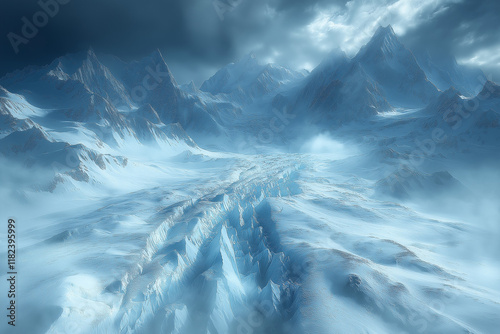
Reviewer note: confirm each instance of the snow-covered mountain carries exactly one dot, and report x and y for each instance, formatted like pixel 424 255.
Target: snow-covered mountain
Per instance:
pixel 70 83
pixel 76 107
pixel 468 122
pixel 247 80
pixel 346 95
pixel 66 78
pixel 382 76
pixel 388 62
pixel 149 80
pixel 33 148
pixel 13 109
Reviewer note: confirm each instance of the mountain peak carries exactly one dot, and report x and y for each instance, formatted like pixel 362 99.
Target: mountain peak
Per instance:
pixel 31 135
pixel 191 87
pixel 451 92
pixel 91 53
pixel 3 92
pixel 157 56
pixel 384 37
pixel 335 60
pixel 385 31
pixel 156 63
pixel 394 67
pixel 72 62
pixel 336 55
pixel 249 59
pixel 384 40
pixel 250 56
pixel 490 89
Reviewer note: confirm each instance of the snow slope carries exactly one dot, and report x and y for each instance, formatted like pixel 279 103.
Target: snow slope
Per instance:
pixel 270 244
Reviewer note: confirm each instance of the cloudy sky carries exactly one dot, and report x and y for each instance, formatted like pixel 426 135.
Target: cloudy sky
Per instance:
pixel 199 36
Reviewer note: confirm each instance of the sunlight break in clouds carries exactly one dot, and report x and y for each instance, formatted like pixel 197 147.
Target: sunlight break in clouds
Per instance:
pixel 483 57
pixel 352 26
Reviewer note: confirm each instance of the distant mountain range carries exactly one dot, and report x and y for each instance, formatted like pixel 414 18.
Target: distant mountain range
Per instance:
pixel 92 105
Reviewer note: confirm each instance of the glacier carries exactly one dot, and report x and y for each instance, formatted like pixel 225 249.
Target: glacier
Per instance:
pixel 361 197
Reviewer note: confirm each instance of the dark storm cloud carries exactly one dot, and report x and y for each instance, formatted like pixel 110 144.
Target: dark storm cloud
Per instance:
pixel 196 40
pixel 126 28
pixel 468 30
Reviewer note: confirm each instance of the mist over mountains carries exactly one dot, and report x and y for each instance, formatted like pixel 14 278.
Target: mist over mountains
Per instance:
pixel 117 101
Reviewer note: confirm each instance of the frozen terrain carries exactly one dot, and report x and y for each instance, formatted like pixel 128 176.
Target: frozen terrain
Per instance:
pixel 359 198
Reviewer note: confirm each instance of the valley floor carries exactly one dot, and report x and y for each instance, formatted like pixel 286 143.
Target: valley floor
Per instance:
pixel 250 244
